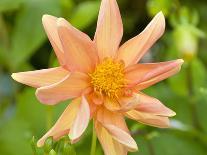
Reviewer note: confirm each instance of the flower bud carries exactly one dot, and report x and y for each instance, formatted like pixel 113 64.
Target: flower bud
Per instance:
pixel 52 152
pixel 48 145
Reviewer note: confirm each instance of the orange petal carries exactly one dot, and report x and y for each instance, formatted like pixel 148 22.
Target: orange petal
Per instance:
pixel 109 29
pixel 97 98
pixel 79 49
pixel 50 26
pixel 64 123
pixel 110 145
pixel 146 104
pixel 116 126
pixel 40 78
pixel 148 119
pixel 133 50
pixel 81 121
pixel 156 79
pixel 138 73
pixel 73 85
pixel 111 105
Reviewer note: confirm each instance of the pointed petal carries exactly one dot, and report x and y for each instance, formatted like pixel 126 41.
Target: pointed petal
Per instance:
pixel 133 50
pixel 149 119
pixel 115 124
pixel 40 78
pixel 153 106
pixel 109 29
pixel 110 146
pixel 139 73
pixel 156 79
pixel 73 85
pixel 64 123
pixel 79 49
pixel 146 104
pixel 81 121
pixel 50 25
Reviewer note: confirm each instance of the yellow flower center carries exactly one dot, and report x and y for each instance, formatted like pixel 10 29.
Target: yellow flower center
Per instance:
pixel 108 78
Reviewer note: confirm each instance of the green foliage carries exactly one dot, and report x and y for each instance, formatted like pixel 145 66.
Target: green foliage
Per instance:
pixel 24 46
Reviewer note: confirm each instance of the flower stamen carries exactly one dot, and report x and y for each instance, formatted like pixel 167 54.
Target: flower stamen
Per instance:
pixel 108 78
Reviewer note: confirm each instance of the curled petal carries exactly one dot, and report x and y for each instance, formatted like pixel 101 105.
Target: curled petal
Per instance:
pixel 148 119
pixel 122 137
pixel 79 49
pixel 153 106
pixel 110 145
pixel 146 104
pixel 133 50
pixel 73 85
pixel 115 124
pixel 139 73
pixel 63 124
pixel 81 121
pixel 108 117
pixel 50 25
pixel 156 79
pixel 41 78
pixel 109 29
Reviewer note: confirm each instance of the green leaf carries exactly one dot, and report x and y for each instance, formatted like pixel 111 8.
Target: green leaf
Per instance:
pixel 85 14
pixel 28 34
pixel 172 144
pixel 7 5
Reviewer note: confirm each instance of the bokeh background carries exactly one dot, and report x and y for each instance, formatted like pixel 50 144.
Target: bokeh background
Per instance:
pixel 24 46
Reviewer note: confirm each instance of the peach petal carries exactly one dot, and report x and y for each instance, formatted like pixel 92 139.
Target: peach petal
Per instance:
pixel 122 137
pixel 71 86
pixel 79 49
pixel 110 146
pixel 81 121
pixel 145 103
pixel 158 78
pixel 63 124
pixel 153 106
pixel 50 25
pixel 129 102
pixel 148 119
pixel 41 78
pixel 109 29
pixel 115 125
pixel 138 73
pixel 133 50
pixel 109 117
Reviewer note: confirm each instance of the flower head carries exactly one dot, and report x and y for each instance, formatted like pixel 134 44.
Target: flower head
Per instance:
pixel 103 79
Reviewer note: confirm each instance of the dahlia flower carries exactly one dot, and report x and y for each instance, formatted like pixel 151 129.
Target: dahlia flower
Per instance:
pixel 102 79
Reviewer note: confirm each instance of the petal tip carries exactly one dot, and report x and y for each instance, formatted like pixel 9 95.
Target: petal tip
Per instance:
pixel 61 22
pixel 180 61
pixel 16 77
pixel 46 17
pixel 173 114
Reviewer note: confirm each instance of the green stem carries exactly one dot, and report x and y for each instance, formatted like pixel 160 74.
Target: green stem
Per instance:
pixel 93 143
pixel 192 98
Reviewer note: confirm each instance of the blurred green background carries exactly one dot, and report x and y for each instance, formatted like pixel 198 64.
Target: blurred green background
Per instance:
pixel 24 46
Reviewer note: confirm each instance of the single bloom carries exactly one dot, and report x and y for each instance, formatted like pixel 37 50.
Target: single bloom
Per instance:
pixel 103 79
